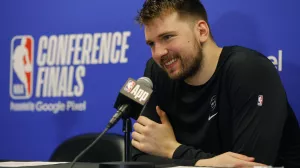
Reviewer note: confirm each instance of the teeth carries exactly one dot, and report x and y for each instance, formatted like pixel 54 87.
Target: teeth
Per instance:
pixel 170 62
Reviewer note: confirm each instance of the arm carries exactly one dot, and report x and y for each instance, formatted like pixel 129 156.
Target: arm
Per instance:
pixel 183 155
pixel 175 161
pixel 156 143
pixel 259 108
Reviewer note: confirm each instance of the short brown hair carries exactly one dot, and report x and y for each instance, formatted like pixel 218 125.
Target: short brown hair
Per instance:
pixel 154 8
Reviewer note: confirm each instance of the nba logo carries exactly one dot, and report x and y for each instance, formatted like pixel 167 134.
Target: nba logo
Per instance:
pixel 260 100
pixel 21 67
pixel 129 86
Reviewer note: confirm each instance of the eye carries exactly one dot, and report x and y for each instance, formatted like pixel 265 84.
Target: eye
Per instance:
pixel 151 44
pixel 167 37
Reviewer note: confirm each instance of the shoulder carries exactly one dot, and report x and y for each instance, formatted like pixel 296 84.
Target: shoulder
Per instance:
pixel 246 61
pixel 150 67
pixel 250 69
pixel 157 75
pixel 152 70
pixel 240 57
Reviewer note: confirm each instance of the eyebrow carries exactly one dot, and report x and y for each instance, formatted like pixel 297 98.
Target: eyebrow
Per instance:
pixel 161 35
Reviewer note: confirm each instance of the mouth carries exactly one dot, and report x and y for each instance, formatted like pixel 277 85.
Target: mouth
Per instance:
pixel 170 63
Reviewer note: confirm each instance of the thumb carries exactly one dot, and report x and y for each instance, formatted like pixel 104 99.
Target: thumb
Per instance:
pixel 162 115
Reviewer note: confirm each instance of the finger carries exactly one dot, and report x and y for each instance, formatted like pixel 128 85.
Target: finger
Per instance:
pixel 138 127
pixel 249 164
pixel 144 121
pixel 135 144
pixel 162 115
pixel 137 136
pixel 235 162
pixel 240 156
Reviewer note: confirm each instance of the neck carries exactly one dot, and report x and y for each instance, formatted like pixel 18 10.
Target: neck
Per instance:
pixel 211 53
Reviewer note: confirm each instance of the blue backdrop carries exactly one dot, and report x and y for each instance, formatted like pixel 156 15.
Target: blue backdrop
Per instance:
pixel 79 54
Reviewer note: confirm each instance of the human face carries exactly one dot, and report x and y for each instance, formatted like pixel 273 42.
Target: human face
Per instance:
pixel 174 46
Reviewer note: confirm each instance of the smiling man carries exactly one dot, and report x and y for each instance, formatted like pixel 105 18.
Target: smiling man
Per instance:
pixel 216 106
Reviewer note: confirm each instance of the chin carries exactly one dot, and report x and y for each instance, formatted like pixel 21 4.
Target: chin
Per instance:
pixel 175 75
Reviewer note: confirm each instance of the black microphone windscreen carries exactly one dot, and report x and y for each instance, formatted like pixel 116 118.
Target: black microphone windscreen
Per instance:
pixel 136 94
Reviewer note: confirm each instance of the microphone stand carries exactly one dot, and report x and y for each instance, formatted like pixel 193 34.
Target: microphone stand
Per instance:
pixel 127 129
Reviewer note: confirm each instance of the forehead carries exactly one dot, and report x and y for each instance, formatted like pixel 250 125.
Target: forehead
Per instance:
pixel 163 24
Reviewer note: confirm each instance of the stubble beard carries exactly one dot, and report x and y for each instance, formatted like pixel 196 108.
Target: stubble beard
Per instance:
pixel 190 65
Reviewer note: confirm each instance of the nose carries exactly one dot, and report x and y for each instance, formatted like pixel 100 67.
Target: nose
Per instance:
pixel 158 51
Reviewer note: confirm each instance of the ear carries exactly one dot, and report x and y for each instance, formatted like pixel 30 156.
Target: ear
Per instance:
pixel 202 31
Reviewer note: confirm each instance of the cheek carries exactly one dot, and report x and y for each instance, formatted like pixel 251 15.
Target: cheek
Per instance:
pixel 176 48
pixel 183 46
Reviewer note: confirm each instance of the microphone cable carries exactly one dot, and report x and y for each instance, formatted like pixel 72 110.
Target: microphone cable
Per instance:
pixel 87 148
pixel 111 123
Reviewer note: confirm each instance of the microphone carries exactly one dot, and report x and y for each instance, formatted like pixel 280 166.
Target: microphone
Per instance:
pixel 132 98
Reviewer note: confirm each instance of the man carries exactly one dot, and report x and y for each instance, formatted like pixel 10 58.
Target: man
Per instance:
pixel 216 106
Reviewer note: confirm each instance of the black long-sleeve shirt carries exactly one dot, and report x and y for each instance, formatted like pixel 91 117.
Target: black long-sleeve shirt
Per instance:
pixel 243 108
